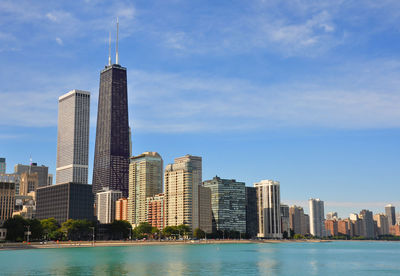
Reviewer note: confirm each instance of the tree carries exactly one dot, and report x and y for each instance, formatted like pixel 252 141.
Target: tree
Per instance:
pixel 199 234
pixel 170 231
pixel 16 227
pixel 121 229
pixel 77 229
pixel 144 228
pixel 36 229
pixel 184 229
pixel 51 228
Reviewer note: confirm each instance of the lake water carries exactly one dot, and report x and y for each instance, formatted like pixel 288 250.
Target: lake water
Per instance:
pixel 333 258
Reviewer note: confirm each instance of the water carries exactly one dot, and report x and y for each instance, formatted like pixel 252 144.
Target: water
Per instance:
pixel 334 258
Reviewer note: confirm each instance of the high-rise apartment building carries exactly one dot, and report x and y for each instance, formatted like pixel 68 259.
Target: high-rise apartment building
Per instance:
pixel 155 206
pixel 111 159
pixel 317 217
pixel 382 223
pixel 121 209
pixel 7 196
pixel 331 227
pixel 251 212
pixel 367 228
pixel 29 182
pixel 105 205
pixel 269 209
pixel 390 212
pixel 42 172
pixel 205 212
pixel 285 220
pixel 182 180
pixel 298 220
pixel 73 137
pixel 145 180
pixel 2 165
pixel 228 203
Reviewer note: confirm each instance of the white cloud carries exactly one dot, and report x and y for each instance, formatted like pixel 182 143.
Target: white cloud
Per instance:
pixel 59 41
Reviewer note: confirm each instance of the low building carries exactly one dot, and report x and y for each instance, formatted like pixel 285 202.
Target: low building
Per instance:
pixel 121 209
pixel 65 201
pixel 3 234
pixel 155 207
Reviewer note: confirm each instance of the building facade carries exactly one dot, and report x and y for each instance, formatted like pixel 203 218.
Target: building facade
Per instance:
pixel 297 220
pixel 42 172
pixel 28 182
pixel 205 212
pixel 155 206
pixel 382 224
pixel 65 201
pixel 105 205
pixel 367 228
pixel 181 183
pixel 390 212
pixel 145 180
pixel 317 217
pixel 7 197
pixel 73 137
pixel 121 209
pixel 2 165
pixel 331 227
pixel 228 203
pixel 269 209
pixel 251 212
pixel 285 220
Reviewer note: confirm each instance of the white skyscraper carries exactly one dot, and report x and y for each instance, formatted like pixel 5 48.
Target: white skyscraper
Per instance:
pixel 317 226
pixel 106 205
pixel 269 209
pixel 73 137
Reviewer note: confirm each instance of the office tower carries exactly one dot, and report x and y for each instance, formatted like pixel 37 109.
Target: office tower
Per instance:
pixel 29 182
pixel 73 137
pixel 228 203
pixel 155 206
pixel 367 228
pixel 2 165
pixel 7 196
pixel 182 180
pixel 269 209
pixel 317 227
pixel 121 209
pixel 331 227
pixel 382 223
pixel 65 201
pixel 205 212
pixel 391 214
pixel 111 159
pixel 251 212
pixel 145 180
pixel 332 215
pixel 105 205
pixel 42 172
pixel 297 220
pixel 285 220
pixel 50 179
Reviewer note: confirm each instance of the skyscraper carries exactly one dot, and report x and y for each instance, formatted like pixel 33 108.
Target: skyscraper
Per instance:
pixel 269 209
pixel 297 220
pixel 42 171
pixel 2 165
pixel 251 212
pixel 317 217
pixel 73 137
pixel 367 228
pixel 391 214
pixel 145 180
pixel 111 159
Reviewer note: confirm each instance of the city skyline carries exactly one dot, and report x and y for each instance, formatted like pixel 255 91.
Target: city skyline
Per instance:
pixel 307 155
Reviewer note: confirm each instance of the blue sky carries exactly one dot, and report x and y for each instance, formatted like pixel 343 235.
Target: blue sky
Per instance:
pixel 304 92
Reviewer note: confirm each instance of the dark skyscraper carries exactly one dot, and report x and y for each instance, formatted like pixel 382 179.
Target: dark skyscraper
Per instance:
pixel 111 159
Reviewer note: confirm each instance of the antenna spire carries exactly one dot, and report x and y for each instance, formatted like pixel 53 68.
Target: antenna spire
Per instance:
pixel 116 47
pixel 109 50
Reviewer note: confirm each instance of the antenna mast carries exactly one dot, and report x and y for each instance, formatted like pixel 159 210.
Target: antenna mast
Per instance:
pixel 109 50
pixel 116 47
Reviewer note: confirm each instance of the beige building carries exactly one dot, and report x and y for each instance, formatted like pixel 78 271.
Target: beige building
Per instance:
pixel 145 180
pixel 382 223
pixel 181 182
pixel 106 205
pixel 298 220
pixel 269 209
pixel 205 211
pixel 121 209
pixel 7 197
pixel 29 182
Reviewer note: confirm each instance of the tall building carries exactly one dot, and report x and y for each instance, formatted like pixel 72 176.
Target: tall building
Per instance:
pixel 105 205
pixel 29 182
pixel 121 209
pixel 111 159
pixel 7 196
pixel 317 217
pixel 181 183
pixel 297 220
pixel 2 165
pixel 73 137
pixel 251 212
pixel 65 201
pixel 344 228
pixel 42 172
pixel 391 214
pixel 155 206
pixel 50 179
pixel 382 223
pixel 205 212
pixel 285 220
pixel 228 203
pixel 145 180
pixel 367 228
pixel 269 209
pixel 331 227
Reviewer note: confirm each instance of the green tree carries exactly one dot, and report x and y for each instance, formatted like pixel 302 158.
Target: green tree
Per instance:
pixel 184 229
pixel 298 237
pixel 51 228
pixel 77 229
pixel 36 229
pixel 121 229
pixel 16 227
pixel 199 234
pixel 144 228
pixel 170 231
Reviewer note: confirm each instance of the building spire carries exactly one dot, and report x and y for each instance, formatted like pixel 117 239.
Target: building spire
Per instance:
pixel 109 50
pixel 116 47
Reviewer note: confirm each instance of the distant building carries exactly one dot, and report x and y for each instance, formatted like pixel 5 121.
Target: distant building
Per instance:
pixel 29 182
pixel 121 209
pixel 306 224
pixel 298 221
pixel 343 227
pixel 155 211
pixel 382 223
pixel 228 203
pixel 251 212
pixel 73 137
pixel 106 205
pixel 42 172
pixel 7 197
pixel 182 180
pixel 50 179
pixel 332 215
pixel 205 213
pixel 317 227
pixel 145 180
pixel 65 201
pixel 367 228
pixel 285 219
pixel 2 165
pixel 269 209
pixel 331 227
pixel 391 214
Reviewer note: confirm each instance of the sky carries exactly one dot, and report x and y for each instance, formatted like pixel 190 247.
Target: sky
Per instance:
pixel 303 92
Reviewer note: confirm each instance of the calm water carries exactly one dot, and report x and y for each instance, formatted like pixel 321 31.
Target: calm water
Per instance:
pixel 335 258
